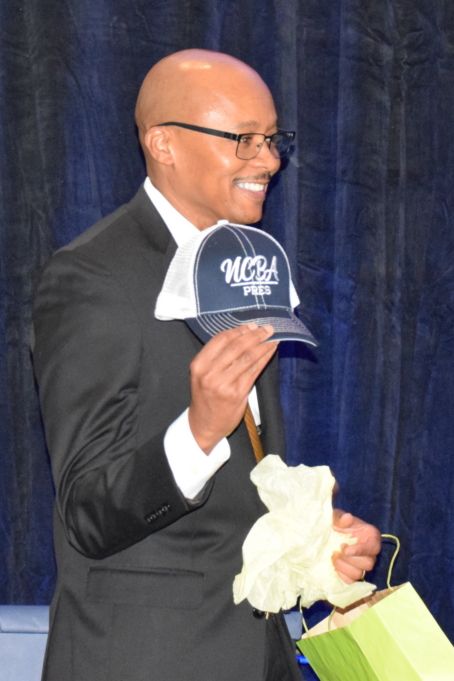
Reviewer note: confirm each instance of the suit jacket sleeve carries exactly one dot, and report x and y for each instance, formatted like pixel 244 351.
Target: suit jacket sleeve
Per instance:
pixel 111 491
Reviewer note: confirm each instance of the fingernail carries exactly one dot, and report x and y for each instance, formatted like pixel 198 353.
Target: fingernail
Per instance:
pixel 252 326
pixel 268 328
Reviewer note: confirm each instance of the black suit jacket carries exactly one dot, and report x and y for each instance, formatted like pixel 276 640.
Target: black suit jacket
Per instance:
pixel 145 576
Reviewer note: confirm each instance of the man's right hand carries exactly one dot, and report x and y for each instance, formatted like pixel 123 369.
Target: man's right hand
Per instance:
pixel 222 376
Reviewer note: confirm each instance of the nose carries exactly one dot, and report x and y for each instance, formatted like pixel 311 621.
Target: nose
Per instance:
pixel 265 159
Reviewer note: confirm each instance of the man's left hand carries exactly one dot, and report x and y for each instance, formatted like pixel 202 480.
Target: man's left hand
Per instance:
pixel 354 559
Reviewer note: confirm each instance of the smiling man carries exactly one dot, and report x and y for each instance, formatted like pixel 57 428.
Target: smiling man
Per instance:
pixel 150 452
pixel 204 176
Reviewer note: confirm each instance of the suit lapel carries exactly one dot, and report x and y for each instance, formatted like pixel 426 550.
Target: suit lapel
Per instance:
pixel 273 433
pixel 153 227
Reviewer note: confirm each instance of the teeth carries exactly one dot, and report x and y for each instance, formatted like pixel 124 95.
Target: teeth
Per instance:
pixel 252 186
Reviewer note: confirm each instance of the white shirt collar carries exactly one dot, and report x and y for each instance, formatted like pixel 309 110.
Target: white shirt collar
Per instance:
pixel 180 228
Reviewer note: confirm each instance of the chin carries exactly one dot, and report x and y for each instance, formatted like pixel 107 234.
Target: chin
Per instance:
pixel 251 220
pixel 246 217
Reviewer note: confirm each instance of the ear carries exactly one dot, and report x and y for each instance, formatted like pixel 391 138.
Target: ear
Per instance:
pixel 159 144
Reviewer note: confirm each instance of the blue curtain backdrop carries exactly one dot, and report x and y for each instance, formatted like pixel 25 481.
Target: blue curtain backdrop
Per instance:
pixel 364 208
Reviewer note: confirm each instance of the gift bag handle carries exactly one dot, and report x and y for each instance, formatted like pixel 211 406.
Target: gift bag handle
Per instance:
pixel 388 581
pixel 393 559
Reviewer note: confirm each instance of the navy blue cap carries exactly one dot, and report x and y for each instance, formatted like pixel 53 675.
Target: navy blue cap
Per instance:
pixel 231 275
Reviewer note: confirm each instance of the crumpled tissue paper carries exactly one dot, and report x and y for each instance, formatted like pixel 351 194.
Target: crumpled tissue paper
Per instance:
pixel 287 553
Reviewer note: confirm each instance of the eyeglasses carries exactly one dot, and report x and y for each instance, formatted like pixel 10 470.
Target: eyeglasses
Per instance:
pixel 249 143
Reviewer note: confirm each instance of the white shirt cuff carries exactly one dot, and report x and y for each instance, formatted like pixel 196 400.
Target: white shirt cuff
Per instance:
pixel 190 466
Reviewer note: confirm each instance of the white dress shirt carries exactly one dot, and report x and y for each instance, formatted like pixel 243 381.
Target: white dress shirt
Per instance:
pixel 190 466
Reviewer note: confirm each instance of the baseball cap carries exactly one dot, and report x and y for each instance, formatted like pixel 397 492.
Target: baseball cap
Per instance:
pixel 229 275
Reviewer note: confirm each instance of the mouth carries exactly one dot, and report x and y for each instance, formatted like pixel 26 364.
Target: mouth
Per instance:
pixel 256 189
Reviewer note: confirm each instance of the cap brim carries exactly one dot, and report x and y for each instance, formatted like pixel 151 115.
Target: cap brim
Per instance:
pixel 286 324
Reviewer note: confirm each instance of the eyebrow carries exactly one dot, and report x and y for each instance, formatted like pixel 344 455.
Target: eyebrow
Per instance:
pixel 251 124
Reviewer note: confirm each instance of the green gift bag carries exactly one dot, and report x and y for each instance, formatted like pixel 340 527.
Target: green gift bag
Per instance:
pixel 388 636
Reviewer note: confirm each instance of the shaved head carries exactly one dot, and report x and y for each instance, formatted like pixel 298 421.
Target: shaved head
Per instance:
pixel 212 90
pixel 190 84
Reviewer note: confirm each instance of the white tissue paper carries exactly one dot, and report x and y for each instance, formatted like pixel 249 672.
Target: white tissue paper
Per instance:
pixel 287 553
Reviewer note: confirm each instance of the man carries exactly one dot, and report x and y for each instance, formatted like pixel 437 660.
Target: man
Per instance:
pixel 150 453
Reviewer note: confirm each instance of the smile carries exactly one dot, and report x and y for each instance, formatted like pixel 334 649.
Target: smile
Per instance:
pixel 253 186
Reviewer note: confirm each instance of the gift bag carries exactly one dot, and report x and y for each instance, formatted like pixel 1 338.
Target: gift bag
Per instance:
pixel 388 636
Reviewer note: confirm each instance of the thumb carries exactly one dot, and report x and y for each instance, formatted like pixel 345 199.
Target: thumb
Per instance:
pixel 342 520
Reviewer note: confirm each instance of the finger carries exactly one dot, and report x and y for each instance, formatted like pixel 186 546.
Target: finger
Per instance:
pixel 363 561
pixel 261 360
pixel 352 569
pixel 335 489
pixel 341 520
pixel 367 548
pixel 216 344
pixel 251 363
pixel 345 578
pixel 240 347
pixel 247 378
pixel 244 369
pixel 219 352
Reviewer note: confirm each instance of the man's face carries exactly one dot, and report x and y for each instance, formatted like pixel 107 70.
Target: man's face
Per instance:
pixel 208 182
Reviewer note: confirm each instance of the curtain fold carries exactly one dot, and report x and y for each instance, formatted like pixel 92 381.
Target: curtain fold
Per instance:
pixel 364 208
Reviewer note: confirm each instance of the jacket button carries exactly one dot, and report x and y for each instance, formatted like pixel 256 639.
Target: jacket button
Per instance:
pixel 258 614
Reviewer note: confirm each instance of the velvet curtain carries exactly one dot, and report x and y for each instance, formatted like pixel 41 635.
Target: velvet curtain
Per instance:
pixel 364 207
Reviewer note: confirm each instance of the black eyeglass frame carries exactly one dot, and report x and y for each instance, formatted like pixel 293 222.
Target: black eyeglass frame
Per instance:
pixel 233 136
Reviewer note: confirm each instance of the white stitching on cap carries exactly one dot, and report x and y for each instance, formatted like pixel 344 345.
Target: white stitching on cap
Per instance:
pixel 241 228
pixel 254 252
pixel 254 229
pixel 196 268
pixel 278 323
pixel 199 253
pixel 244 250
pixel 248 307
pixel 213 324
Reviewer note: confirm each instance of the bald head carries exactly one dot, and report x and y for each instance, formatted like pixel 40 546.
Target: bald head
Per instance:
pixel 192 84
pixel 201 174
